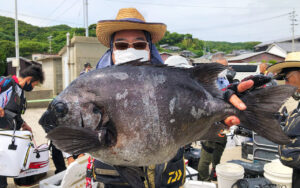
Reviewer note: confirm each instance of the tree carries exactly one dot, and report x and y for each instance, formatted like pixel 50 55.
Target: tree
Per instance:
pixel 7 49
pixel 33 39
pixel 272 61
pixel 2 68
pixel 27 48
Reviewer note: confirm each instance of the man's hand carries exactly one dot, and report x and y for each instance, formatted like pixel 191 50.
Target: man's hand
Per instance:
pixel 238 103
pixel 25 127
pixel 2 112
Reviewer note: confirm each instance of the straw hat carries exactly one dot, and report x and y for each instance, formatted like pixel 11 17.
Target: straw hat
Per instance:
pixel 127 19
pixel 292 60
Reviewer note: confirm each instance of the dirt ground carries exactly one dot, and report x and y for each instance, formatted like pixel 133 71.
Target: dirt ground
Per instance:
pixel 32 116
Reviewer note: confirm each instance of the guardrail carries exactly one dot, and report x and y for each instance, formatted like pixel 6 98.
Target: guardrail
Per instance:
pixel 39 100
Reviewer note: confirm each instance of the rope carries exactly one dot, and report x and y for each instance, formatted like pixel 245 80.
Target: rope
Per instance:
pixel 25 137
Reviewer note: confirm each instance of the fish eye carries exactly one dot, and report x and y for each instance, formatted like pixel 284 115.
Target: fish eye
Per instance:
pixel 61 109
pixel 96 110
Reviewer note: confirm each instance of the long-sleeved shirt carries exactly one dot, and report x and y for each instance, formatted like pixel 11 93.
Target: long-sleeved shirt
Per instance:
pixel 6 89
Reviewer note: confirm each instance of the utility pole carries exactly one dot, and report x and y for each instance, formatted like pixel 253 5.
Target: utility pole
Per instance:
pixel 85 17
pixel 293 19
pixel 67 63
pixel 17 40
pixel 204 47
pixel 50 39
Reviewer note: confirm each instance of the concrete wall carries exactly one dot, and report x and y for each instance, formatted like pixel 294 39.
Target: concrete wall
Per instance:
pixel 58 79
pixel 52 68
pixel 38 94
pixel 82 50
pixel 49 74
pixel 88 52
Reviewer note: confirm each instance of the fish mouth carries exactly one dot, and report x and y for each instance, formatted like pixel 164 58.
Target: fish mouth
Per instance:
pixel 48 121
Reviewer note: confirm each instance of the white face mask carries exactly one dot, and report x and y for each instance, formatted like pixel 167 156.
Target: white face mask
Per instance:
pixel 130 54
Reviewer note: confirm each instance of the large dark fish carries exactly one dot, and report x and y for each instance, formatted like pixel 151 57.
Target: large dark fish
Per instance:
pixel 139 114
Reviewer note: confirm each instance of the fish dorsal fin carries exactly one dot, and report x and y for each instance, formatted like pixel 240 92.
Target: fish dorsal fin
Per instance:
pixel 138 62
pixel 207 74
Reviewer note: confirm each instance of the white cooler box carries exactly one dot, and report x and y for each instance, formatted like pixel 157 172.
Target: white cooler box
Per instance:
pixel 23 160
pixel 191 174
pixel 38 161
pixel 13 161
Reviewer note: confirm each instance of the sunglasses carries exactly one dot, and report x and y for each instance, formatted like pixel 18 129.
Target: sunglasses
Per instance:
pixel 141 45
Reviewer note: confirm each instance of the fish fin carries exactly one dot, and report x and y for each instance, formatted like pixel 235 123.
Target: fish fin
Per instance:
pixel 262 105
pixel 207 74
pixel 132 175
pixel 137 62
pixel 75 140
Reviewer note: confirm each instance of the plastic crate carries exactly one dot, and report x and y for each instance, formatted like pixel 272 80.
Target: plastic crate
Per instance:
pixel 263 142
pixel 247 150
pixel 265 154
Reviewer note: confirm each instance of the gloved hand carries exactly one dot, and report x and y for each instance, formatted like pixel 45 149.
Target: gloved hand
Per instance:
pixel 237 90
pixel 258 82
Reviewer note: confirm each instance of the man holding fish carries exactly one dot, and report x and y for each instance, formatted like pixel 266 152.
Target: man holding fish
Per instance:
pixel 139 113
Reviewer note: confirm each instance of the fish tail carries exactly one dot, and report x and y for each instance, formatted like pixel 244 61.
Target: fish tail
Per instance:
pixel 262 105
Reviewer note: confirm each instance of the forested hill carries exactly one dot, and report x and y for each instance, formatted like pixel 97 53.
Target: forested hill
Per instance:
pixel 34 39
pixel 187 42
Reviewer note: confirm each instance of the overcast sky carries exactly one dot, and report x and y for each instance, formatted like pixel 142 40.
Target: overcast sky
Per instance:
pixel 216 20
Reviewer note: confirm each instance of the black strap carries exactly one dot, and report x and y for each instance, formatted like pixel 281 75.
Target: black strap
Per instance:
pixel 159 169
pixel 227 94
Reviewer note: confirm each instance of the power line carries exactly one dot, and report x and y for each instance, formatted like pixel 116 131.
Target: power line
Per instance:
pixel 42 18
pixel 239 23
pixel 54 10
pixel 68 9
pixel 188 5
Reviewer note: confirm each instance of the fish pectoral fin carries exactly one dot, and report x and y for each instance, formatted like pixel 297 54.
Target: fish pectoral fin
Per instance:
pixel 207 74
pixel 133 175
pixel 75 140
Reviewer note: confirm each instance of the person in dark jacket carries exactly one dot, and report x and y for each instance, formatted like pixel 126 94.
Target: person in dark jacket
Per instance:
pixel 211 151
pixel 12 99
pixel 289 70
